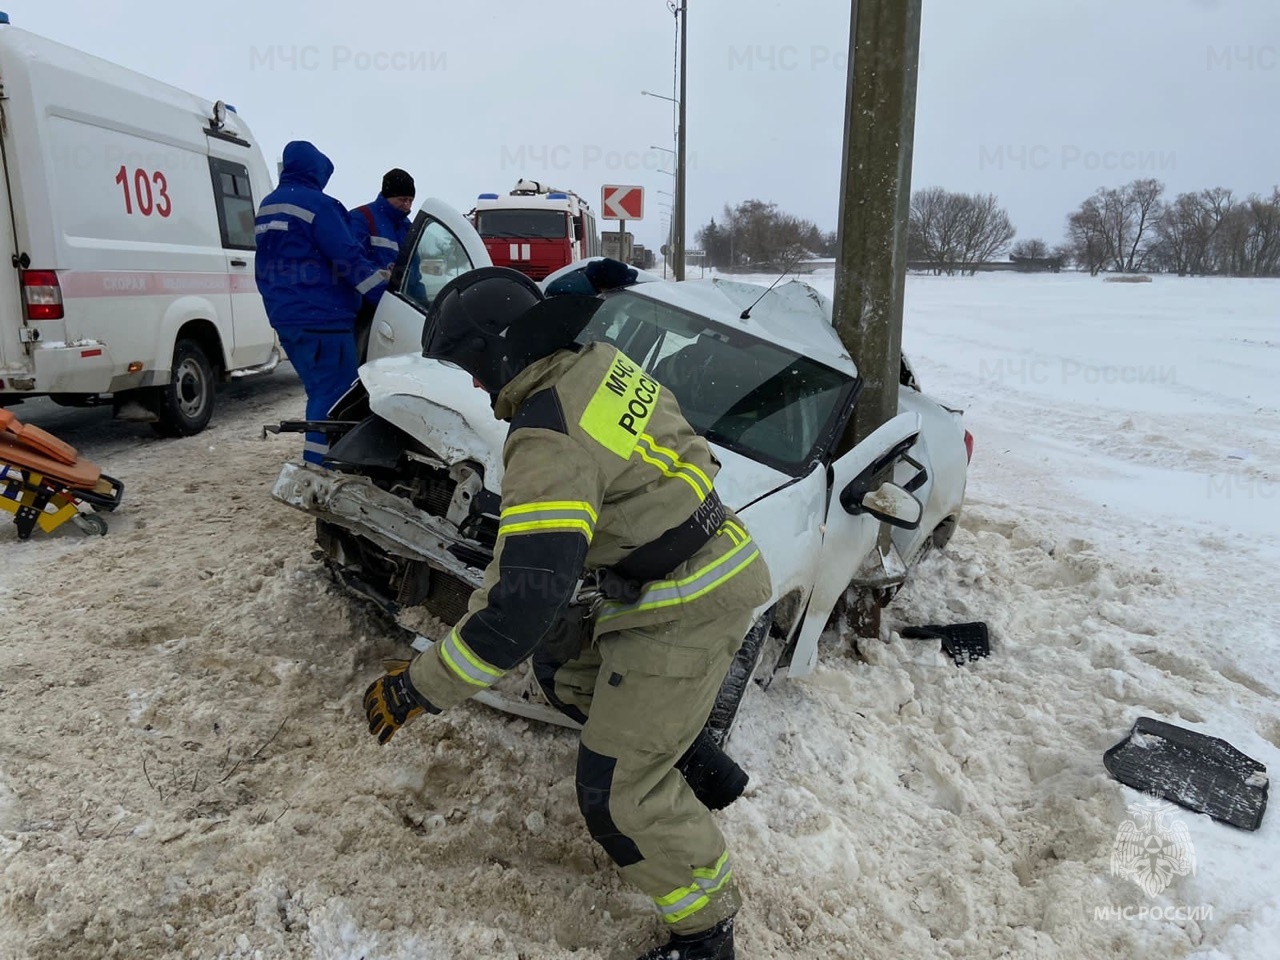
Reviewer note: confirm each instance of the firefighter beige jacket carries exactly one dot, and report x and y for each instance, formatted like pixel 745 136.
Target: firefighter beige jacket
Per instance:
pixel 598 462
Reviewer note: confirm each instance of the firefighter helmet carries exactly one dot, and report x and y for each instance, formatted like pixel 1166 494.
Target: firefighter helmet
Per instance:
pixel 494 321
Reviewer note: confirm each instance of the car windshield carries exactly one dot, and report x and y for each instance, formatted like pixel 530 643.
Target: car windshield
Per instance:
pixel 748 395
pixel 523 224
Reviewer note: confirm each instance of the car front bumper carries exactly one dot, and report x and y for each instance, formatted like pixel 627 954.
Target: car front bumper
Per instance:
pixel 356 504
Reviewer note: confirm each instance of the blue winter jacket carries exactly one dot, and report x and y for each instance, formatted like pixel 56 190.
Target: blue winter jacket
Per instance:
pixel 390 228
pixel 391 232
pixel 310 270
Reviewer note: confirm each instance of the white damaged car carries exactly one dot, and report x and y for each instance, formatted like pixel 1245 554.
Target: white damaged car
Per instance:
pixel 408 502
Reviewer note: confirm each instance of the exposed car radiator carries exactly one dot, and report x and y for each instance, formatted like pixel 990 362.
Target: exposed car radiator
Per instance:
pixel 447 597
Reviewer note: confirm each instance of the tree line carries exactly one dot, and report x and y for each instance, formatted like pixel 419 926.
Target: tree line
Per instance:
pixel 1127 229
pixel 757 235
pixel 1207 232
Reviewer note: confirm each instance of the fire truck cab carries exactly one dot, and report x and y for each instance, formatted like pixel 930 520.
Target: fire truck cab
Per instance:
pixel 536 229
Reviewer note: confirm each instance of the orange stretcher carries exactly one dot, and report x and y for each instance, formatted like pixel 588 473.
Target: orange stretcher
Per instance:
pixel 44 482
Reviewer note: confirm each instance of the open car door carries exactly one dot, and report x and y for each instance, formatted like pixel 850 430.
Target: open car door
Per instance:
pixel 441 246
pixel 848 538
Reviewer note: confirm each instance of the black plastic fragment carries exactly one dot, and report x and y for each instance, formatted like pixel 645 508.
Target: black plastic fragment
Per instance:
pixel 963 642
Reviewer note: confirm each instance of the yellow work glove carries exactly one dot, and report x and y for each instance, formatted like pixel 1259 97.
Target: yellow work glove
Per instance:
pixel 391 702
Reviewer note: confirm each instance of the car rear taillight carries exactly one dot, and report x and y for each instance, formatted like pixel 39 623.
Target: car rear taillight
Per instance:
pixel 41 295
pixel 968 446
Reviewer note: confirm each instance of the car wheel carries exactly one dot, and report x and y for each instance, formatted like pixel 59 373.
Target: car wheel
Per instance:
pixel 725 712
pixel 185 404
pixel 943 533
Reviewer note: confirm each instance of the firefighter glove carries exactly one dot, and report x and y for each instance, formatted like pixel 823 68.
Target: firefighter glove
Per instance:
pixel 391 702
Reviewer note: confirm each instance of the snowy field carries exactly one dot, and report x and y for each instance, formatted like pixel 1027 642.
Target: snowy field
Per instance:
pixel 185 769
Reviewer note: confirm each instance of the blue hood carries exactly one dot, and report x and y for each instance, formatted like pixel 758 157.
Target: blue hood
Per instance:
pixel 305 165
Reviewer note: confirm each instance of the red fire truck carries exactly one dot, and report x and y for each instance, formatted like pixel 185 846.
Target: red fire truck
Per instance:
pixel 536 229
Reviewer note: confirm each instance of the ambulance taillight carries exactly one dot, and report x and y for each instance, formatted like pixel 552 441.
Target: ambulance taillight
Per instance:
pixel 41 295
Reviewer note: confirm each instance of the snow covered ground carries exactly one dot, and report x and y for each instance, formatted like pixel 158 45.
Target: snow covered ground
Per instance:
pixel 185 772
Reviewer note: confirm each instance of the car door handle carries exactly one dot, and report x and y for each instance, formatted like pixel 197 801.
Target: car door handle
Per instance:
pixel 237 262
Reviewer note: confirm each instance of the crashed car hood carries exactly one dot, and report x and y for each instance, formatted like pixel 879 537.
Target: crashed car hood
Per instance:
pixel 439 406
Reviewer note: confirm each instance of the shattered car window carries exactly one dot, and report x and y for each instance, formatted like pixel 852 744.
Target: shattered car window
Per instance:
pixel 746 394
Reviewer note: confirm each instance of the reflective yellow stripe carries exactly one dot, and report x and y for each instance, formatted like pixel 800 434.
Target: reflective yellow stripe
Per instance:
pixel 685 902
pixel 668 593
pixel 459 658
pixel 540 505
pixel 670 471
pixel 711 879
pixel 701 482
pixel 620 408
pixel 549 516
pixel 547 526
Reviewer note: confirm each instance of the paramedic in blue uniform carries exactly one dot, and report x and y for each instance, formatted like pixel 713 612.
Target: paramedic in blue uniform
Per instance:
pixel 382 225
pixel 382 228
pixel 313 276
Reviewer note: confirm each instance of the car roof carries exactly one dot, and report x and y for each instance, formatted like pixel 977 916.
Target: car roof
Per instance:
pixel 792 315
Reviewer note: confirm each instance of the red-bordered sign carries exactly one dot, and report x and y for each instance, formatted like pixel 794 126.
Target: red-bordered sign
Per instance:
pixel 621 202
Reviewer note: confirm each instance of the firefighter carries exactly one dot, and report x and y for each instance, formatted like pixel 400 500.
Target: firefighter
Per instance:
pixel 607 492
pixel 313 277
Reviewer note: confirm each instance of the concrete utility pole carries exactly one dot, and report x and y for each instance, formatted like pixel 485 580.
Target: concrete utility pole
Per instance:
pixel 677 248
pixel 875 205
pixel 875 201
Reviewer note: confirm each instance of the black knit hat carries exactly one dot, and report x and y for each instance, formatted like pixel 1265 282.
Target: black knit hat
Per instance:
pixel 397 183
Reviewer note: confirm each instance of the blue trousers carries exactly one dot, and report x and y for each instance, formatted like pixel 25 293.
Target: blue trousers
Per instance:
pixel 326 364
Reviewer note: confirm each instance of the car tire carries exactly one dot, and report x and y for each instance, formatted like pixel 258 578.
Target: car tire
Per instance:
pixel 724 714
pixel 185 404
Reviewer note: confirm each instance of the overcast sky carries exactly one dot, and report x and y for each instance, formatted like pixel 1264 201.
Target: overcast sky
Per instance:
pixel 1038 102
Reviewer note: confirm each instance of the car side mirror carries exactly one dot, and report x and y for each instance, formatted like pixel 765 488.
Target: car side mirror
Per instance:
pixel 889 503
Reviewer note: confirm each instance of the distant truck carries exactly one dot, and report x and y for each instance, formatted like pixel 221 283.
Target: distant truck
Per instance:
pixel 536 229
pixel 610 248
pixel 642 257
pixel 128 209
pixel 633 253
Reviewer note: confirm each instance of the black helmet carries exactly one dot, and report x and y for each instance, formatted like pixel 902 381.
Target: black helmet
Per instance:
pixel 493 322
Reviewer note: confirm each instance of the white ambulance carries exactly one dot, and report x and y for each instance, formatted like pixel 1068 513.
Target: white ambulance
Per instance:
pixel 126 237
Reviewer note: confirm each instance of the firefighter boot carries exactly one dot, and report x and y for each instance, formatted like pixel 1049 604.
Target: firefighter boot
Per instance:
pixel 713 944
pixel 712 774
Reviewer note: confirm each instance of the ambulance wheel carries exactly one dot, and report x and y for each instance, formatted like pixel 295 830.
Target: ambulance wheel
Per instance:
pixel 185 404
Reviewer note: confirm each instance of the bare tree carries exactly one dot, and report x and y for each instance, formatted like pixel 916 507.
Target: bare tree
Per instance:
pixel 756 233
pixel 985 229
pixel 1116 226
pixel 1142 198
pixel 949 230
pixel 1216 203
pixel 1033 249
pixel 1085 237
pixel 1178 233
pixel 1249 238
pixel 936 214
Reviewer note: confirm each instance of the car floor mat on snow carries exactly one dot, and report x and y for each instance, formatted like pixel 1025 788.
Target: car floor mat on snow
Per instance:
pixel 963 642
pixel 1202 773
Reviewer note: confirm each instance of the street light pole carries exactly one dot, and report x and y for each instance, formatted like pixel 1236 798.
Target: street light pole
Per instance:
pixel 678 213
pixel 681 183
